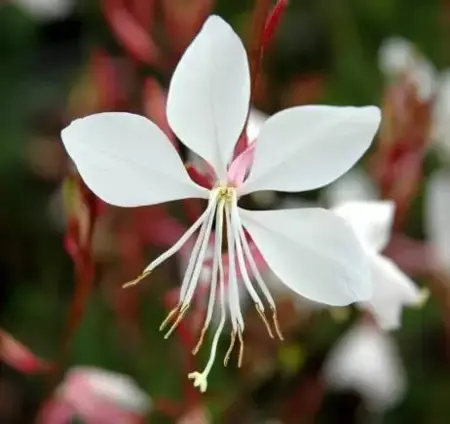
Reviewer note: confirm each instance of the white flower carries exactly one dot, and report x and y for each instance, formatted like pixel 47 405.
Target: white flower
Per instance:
pixel 47 9
pixel 354 185
pixel 366 360
pixel 437 218
pixel 128 161
pixel 399 57
pixel 392 289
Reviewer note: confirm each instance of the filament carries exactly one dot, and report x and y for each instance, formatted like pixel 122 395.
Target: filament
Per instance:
pixel 215 268
pixel 233 292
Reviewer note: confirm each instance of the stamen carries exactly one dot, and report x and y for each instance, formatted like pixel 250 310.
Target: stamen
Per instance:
pixel 264 320
pixel 201 379
pixel 169 317
pixel 241 348
pixel 200 340
pixel 230 349
pixel 276 324
pixel 180 316
pixel 215 268
pixel 233 291
pixel 183 239
pixel 192 285
pixel 195 250
pixel 241 262
pixel 136 280
pixel 252 263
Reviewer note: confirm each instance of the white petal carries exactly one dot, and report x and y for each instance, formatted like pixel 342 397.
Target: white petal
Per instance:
pixel 307 147
pixel 209 94
pixel 392 290
pixel 126 160
pixel 367 360
pixel 314 252
pixel 256 120
pixel 372 221
pixel 354 185
pixel 437 217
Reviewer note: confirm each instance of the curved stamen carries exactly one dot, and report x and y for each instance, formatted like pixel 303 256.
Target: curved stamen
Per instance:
pixel 257 274
pixel 201 379
pixel 195 250
pixel 230 348
pixel 198 263
pixel 233 291
pixel 214 275
pixel 175 248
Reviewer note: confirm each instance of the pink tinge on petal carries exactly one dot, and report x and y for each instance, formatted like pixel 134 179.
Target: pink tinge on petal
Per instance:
pixel 241 145
pixel 240 166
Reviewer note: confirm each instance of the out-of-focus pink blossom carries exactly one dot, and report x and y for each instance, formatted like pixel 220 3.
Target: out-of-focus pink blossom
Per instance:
pixel 97 397
pixel 16 355
pixel 195 416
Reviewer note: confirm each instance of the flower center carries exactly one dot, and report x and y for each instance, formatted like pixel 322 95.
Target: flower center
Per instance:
pixel 240 264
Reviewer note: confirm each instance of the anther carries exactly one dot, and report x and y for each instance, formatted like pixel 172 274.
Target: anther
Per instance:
pixel 200 341
pixel 183 311
pixel 136 280
pixel 241 348
pixel 169 317
pixel 276 324
pixel 230 349
pixel 264 319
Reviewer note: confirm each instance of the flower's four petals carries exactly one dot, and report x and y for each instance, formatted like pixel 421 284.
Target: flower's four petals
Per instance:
pixel 314 252
pixel 126 160
pixel 371 220
pixel 209 94
pixel 307 147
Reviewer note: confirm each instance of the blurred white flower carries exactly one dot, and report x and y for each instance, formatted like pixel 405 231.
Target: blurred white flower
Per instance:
pixel 441 116
pixel 366 360
pixel 354 185
pixel 398 57
pixel 392 288
pixel 437 218
pixel 46 10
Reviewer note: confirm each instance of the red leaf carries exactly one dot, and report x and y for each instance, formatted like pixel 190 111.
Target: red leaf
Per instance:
pixel 106 80
pixel 182 20
pixel 155 100
pixel 143 11
pixel 133 37
pixel 273 22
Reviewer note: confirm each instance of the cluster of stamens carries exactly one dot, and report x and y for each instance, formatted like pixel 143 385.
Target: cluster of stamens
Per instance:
pixel 222 204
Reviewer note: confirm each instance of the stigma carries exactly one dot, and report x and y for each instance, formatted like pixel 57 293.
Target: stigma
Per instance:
pixel 224 292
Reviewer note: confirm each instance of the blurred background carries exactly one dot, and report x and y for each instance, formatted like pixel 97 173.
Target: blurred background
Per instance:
pixel 76 347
